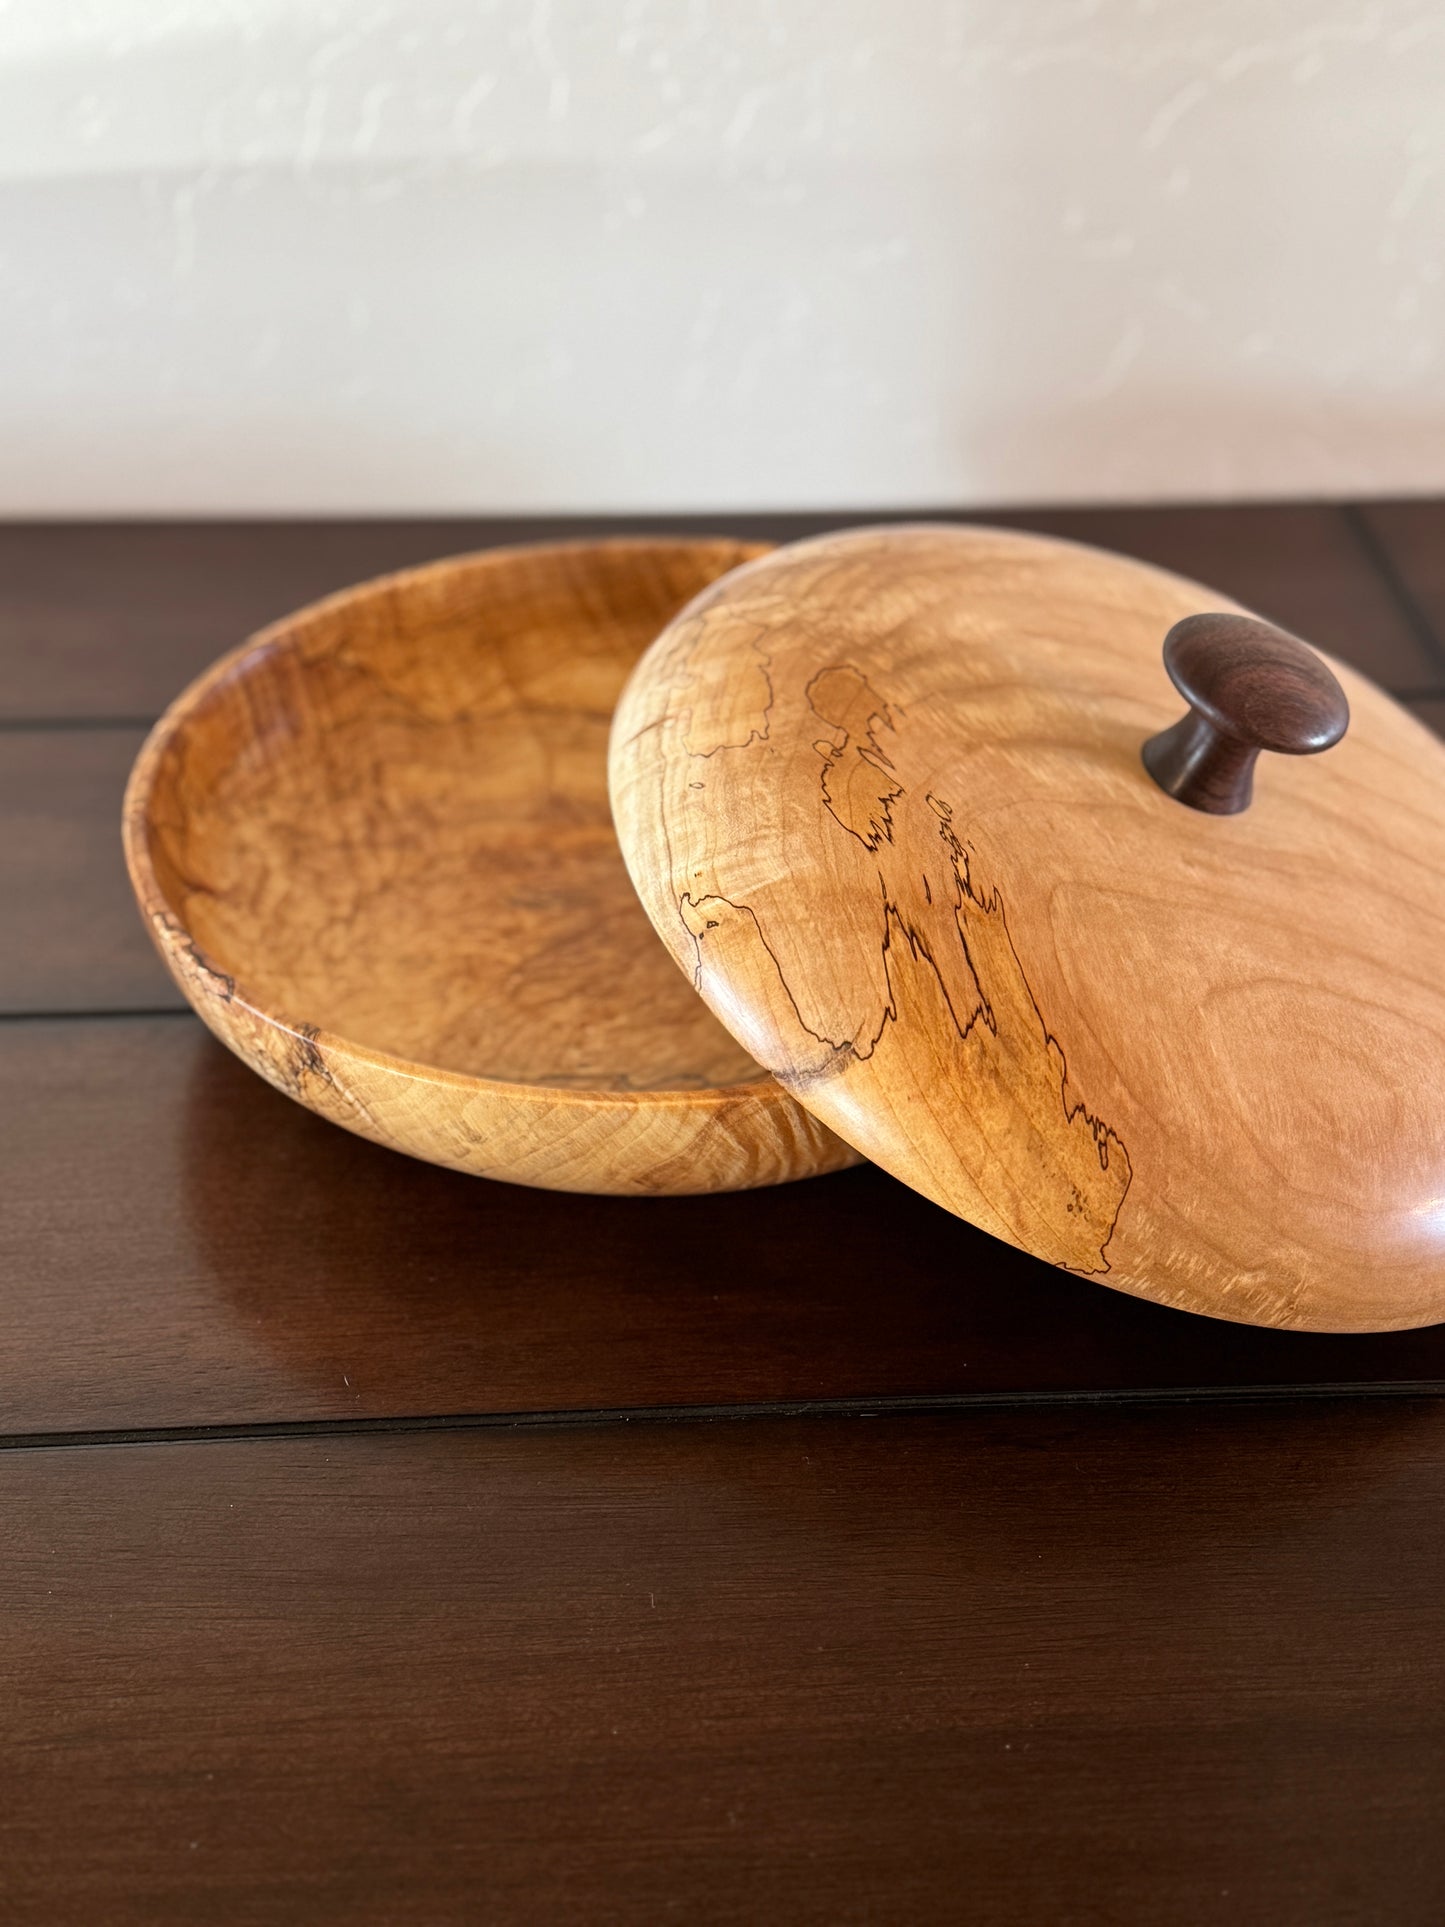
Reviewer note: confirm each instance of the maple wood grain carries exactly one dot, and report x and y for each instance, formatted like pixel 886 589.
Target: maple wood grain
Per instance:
pixel 375 850
pixel 883 797
pixel 180 1246
pixel 1169 1665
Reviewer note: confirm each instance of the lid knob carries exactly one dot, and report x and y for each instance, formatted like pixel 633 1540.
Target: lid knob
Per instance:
pixel 1249 687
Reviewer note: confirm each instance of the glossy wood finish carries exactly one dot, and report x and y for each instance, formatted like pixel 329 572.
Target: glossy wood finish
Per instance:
pixel 181 1247
pixel 374 848
pixel 1250 687
pixel 882 796
pixel 1171 1664
pixel 1163 1666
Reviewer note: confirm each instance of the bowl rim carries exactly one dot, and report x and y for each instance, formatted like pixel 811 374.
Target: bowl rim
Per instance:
pixel 172 936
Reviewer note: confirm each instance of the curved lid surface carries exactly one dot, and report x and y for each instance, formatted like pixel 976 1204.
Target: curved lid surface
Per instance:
pixel 882 795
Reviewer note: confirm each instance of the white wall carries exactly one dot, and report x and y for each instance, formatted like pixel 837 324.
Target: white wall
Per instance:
pixel 443 254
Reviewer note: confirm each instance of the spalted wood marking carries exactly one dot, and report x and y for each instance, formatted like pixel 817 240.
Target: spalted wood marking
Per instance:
pixel 375 849
pixel 947 978
pixel 941 899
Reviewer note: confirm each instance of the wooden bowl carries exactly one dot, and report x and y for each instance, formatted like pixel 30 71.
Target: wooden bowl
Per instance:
pixel 374 847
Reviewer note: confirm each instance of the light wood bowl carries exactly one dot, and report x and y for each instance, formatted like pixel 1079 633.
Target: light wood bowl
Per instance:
pixel 374 847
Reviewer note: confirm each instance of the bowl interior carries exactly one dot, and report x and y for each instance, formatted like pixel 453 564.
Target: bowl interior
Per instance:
pixel 388 818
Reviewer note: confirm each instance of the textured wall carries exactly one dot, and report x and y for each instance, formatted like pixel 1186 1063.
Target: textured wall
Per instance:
pixel 374 254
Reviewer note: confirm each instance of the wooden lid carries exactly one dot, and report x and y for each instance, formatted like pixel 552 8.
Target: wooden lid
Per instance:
pixel 884 796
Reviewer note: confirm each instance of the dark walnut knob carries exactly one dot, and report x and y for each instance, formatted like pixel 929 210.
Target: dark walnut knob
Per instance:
pixel 1249 687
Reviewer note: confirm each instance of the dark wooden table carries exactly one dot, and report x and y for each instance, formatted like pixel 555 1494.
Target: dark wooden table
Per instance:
pixel 383 1545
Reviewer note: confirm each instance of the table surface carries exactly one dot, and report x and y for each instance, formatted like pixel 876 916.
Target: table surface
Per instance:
pixel 386 1545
